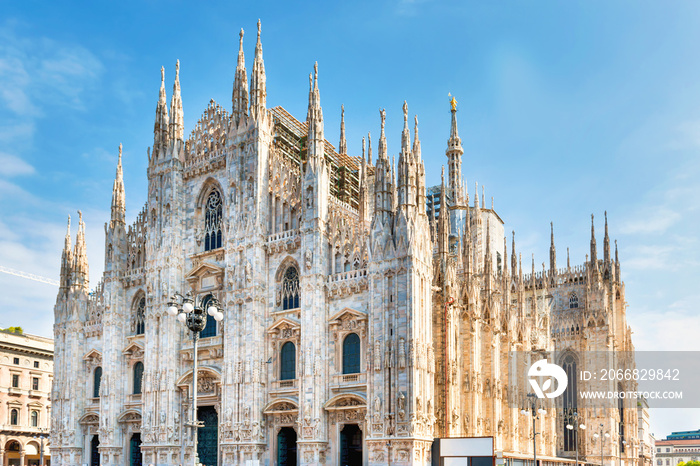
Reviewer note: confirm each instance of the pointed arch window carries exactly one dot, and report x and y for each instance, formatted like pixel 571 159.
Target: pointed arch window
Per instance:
pixel 290 289
pixel 570 402
pixel 351 354
pixel 573 301
pixel 138 377
pixel 288 358
pixel 212 221
pixel 210 328
pixel 96 381
pixel 140 316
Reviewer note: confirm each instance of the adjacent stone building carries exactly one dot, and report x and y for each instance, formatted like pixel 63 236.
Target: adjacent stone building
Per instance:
pixel 679 447
pixel 26 376
pixel 365 313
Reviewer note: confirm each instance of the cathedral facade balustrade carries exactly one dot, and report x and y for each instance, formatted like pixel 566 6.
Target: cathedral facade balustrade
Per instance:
pixel 284 241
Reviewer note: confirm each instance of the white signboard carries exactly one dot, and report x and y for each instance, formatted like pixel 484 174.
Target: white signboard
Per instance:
pixel 461 447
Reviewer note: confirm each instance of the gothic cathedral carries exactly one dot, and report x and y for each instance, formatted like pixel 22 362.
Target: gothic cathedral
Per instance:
pixel 365 313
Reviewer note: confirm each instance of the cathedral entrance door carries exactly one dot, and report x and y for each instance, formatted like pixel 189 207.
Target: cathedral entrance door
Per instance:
pixel 135 450
pixel 287 447
pixel 208 436
pixel 350 445
pixel 94 451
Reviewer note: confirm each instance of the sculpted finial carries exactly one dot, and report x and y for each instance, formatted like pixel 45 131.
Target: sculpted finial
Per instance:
pixel 405 111
pixel 162 75
pixel 382 114
pixel 120 151
pixel 453 103
pixel 258 29
pixel 177 70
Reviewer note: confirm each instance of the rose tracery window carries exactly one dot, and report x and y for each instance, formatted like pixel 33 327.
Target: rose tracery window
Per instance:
pixel 573 301
pixel 212 221
pixel 290 289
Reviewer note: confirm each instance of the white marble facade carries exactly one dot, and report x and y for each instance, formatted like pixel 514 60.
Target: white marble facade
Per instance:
pixel 306 244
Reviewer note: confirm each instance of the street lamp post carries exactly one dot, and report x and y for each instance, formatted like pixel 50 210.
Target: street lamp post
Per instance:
pixel 575 427
pixel 535 412
pixel 42 435
pixel 623 448
pixel 189 312
pixel 602 441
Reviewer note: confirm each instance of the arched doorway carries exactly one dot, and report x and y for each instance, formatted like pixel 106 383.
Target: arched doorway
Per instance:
pixel 32 453
pixel 350 445
pixel 13 453
pixel 94 451
pixel 287 447
pixel 135 457
pixel 207 436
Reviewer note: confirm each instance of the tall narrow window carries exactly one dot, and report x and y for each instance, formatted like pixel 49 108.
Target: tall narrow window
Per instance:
pixel 288 361
pixel 210 328
pixel 621 425
pixel 140 316
pixel 212 221
pixel 96 380
pixel 570 403
pixel 351 354
pixel 138 377
pixel 35 383
pixel 290 289
pixel 35 418
pixel 14 417
pixel 15 380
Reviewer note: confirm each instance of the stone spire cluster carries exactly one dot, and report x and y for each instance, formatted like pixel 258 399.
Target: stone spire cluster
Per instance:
pixel 454 157
pixel 162 122
pixel 314 119
pixel 79 271
pixel 118 196
pixel 258 89
pixel 240 86
pixel 342 144
pixel 66 261
pixel 177 126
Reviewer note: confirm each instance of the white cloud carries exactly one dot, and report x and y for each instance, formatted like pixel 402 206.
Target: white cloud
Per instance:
pixel 652 220
pixel 11 165
pixel 17 131
pixel 37 71
pixel 651 257
pixel 671 328
pixel 34 245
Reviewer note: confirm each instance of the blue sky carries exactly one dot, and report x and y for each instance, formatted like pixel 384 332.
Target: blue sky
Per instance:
pixel 565 109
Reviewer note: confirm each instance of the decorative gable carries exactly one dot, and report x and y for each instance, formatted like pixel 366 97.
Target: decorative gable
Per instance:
pixel 133 351
pixel 206 276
